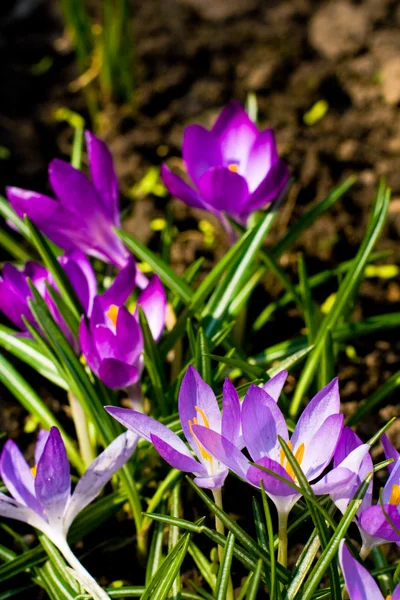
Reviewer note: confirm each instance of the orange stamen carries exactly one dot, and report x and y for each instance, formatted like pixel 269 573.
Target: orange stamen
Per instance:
pixel 33 471
pixel 203 451
pixel 395 495
pixel 299 455
pixel 112 314
pixel 233 167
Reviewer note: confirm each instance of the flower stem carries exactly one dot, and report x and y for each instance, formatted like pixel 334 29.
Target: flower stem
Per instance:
pixel 219 526
pixel 282 538
pixel 81 574
pixel 365 550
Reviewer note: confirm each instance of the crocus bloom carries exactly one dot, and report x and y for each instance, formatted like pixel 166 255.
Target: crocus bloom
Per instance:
pixel 42 496
pixel 313 444
pixel 234 168
pixel 85 212
pixel 111 339
pixel 375 527
pixel 15 291
pixel 197 405
pixel 360 584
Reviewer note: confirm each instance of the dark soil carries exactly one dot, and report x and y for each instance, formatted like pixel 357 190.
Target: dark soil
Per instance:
pixel 193 56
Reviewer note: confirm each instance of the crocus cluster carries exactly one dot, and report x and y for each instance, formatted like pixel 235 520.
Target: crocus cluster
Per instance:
pixel 234 168
pixel 217 440
pixel 42 497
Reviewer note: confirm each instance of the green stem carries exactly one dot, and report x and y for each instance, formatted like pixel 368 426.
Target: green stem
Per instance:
pixel 282 539
pixel 219 526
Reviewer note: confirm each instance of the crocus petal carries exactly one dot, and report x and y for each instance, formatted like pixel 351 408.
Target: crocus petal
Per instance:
pixel 263 155
pixel 353 461
pixel 194 392
pixel 201 151
pixel 324 404
pixel 122 286
pixel 129 338
pixel 318 451
pixel 281 494
pixel 224 190
pixel 230 427
pixel 37 207
pixel 99 473
pixel 11 509
pixel 88 346
pixel 236 133
pixel 176 459
pixel 335 480
pixel 273 184
pixel 390 451
pixel 396 593
pixel 262 422
pixel 153 301
pixel 223 450
pixel 74 191
pixel 41 440
pixel 146 426
pixel 274 386
pixel 348 442
pixel 103 175
pixel 360 584
pixel 17 476
pixel 394 479
pixel 82 277
pixel 53 480
pixel 116 374
pixel 212 482
pixel 180 189
pixel 374 523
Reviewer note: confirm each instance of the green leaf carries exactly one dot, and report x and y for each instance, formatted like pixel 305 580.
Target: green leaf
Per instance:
pixel 161 582
pixel 255 582
pixel 7 211
pixel 309 308
pixel 13 247
pixel 270 538
pixel 310 216
pixel 26 395
pixel 202 358
pixel 166 274
pixel 225 569
pixel 153 363
pixel 155 556
pixel 203 565
pixel 345 293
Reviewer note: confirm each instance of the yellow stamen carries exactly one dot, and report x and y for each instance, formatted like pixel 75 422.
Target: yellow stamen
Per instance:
pixel 395 495
pixel 388 597
pixel 203 414
pixel 203 451
pixel 299 455
pixel 33 471
pixel 233 167
pixel 112 313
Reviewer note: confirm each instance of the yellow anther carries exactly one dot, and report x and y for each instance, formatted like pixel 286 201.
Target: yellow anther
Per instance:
pixel 233 167
pixel 33 471
pixel 112 314
pixel 299 454
pixel 203 414
pixel 283 455
pixel 388 597
pixel 395 495
pixel 203 451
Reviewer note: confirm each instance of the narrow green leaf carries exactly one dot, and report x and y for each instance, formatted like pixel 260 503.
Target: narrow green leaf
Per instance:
pixel 345 293
pixel 203 565
pixel 225 569
pixel 270 537
pixel 153 363
pixel 309 308
pixel 202 358
pixel 255 582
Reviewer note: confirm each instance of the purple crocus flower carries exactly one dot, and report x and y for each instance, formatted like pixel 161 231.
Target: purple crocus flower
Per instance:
pixel 15 291
pixel 313 443
pixel 360 584
pixel 234 168
pixel 375 527
pixel 42 496
pixel 84 213
pixel 111 338
pixel 197 405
